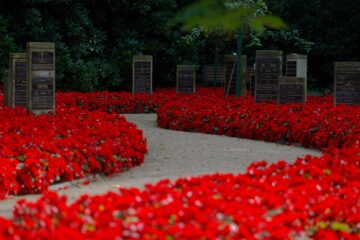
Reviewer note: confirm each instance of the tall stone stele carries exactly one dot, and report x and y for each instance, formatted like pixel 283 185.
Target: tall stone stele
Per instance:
pixel 17 79
pixel 7 92
pixel 185 78
pixel 296 66
pixel 268 72
pixel 41 77
pixel 142 74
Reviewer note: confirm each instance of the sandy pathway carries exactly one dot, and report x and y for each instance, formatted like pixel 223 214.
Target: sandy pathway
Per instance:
pixel 175 154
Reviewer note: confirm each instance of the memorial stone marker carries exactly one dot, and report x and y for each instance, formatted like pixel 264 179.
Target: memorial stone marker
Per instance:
pixel 17 79
pixel 296 66
pixel 142 74
pixel 185 79
pixel 347 83
pixel 41 77
pixel 291 90
pixel 7 90
pixel 230 80
pixel 268 71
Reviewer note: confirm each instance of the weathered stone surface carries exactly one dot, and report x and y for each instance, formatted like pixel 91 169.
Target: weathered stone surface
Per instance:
pixel 291 90
pixel 18 79
pixel 142 74
pixel 41 77
pixel 268 71
pixel 347 83
pixel 185 79
pixel 296 66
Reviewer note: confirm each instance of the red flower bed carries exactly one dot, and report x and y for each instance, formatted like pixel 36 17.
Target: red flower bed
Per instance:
pixel 317 124
pixel 316 197
pixel 38 151
pixel 120 102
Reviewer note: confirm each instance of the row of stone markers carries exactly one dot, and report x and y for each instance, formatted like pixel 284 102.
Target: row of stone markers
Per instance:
pixel 265 81
pixel 30 81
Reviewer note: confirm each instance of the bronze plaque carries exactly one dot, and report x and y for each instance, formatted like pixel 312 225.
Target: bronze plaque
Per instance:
pixel 185 79
pixel 347 83
pixel 142 74
pixel 291 90
pixel 268 71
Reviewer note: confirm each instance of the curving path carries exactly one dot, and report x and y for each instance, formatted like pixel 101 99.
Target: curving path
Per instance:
pixel 175 154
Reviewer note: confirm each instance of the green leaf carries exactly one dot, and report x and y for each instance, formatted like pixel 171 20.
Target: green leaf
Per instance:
pixel 338 226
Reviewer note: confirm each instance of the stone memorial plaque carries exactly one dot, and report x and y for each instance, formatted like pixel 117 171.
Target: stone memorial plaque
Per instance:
pixel 230 80
pixel 291 90
pixel 268 71
pixel 347 83
pixel 211 76
pixel 18 79
pixel 185 79
pixel 142 74
pixel 296 66
pixel 41 77
pixel 7 88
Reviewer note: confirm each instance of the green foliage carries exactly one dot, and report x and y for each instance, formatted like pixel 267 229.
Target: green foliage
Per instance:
pixel 333 26
pixel 226 15
pixel 95 40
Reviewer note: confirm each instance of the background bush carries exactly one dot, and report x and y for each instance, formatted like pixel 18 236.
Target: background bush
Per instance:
pixel 95 40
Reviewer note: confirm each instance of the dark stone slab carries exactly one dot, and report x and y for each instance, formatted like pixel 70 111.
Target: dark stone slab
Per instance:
pixel 18 79
pixel 268 71
pixel 291 90
pixel 41 78
pixel 142 74
pixel 347 83
pixel 185 79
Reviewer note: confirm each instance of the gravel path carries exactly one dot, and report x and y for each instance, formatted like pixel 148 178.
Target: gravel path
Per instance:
pixel 174 154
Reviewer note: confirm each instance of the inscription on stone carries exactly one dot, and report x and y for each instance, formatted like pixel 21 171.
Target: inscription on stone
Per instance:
pixel 291 90
pixel 185 82
pixel 142 74
pixel 20 83
pixel 41 77
pixel 347 83
pixel 268 71
pixel 17 79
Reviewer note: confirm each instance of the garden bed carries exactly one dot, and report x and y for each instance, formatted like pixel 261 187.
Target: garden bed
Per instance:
pixel 314 198
pixel 37 151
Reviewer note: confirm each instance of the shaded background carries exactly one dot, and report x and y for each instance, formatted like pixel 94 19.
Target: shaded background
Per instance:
pixel 95 40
